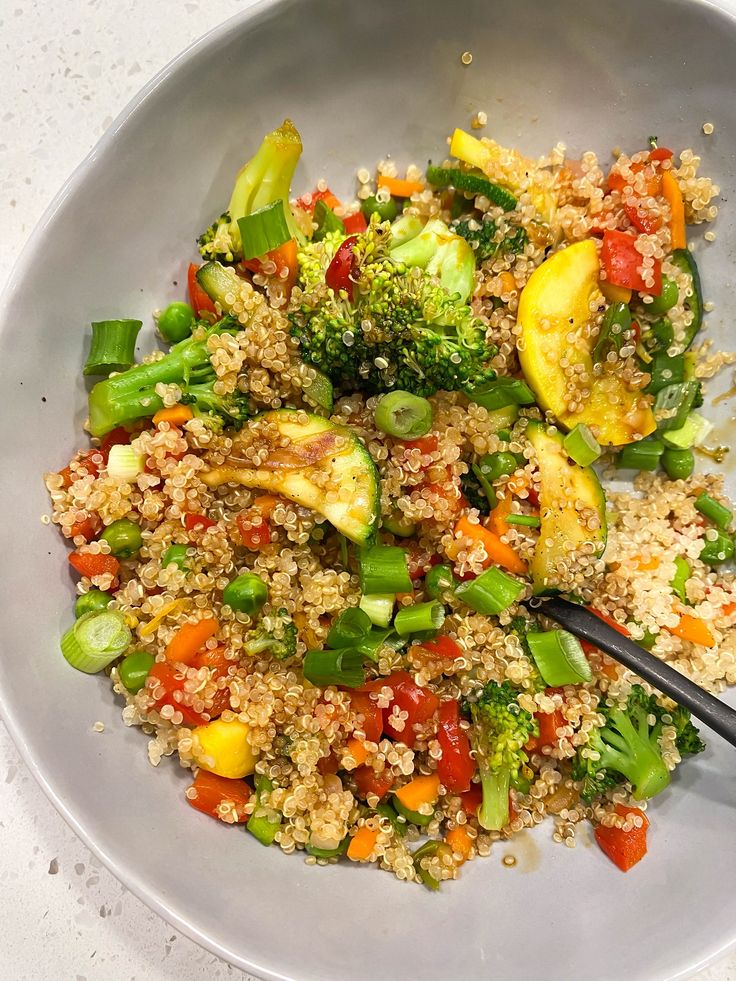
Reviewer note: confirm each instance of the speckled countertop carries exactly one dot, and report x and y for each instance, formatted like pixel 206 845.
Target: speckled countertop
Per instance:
pixel 67 69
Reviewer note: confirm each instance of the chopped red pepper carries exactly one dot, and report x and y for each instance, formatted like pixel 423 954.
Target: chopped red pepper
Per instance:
pixel 426 444
pixel 624 848
pixel 588 648
pixel 94 564
pixel 212 791
pixel 621 262
pixel 87 527
pixel 419 703
pixel 642 219
pixel 652 181
pixel 472 799
pixel 661 153
pixel 200 301
pixel 355 223
pixel 420 560
pixel 367 781
pixel 307 201
pixel 194 522
pixel 360 701
pixel 258 535
pixel 340 271
pixel 116 437
pixel 164 675
pixel 456 766
pixel 549 723
pixel 443 646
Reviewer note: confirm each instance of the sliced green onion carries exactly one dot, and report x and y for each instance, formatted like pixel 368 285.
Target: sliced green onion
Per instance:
pixel 327 221
pixel 328 852
pixel 643 455
pixel 526 520
pixel 714 511
pixel 318 390
pixel 379 607
pixel 124 464
pixel 96 640
pixel 501 392
pixel 693 433
pixel 351 626
pixel 134 670
pixel 370 645
pixel 92 601
pixel 384 569
pixel 112 347
pixel 438 579
pixel 678 464
pixel 264 822
pixel 413 817
pixel 614 326
pixel 403 415
pixel 420 618
pixel 175 555
pixel 464 180
pixel 486 485
pixel 559 657
pixel 717 550
pixel 264 230
pixel 665 371
pixel 343 667
pixel 491 593
pixel 582 446
pixel 680 578
pixel 673 404
pixel 385 810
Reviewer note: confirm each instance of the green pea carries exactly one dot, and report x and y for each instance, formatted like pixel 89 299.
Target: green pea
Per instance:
pixel 495 465
pixel 176 322
pixel 386 210
pixel 134 670
pixel 176 554
pixel 667 298
pixel 246 594
pixel 678 464
pixel 124 538
pixel 91 602
pixel 438 579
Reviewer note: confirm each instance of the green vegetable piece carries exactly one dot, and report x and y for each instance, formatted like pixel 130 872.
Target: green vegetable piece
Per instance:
pixel 693 433
pixel 693 301
pixel 319 393
pixel 327 221
pixel 491 499
pixel 413 817
pixel 714 511
pixel 614 329
pixel 176 554
pixel 490 593
pixel 500 392
pixel 464 180
pixel 581 445
pixel 499 464
pixel 667 298
pixel 264 230
pixel 124 538
pixel 92 601
pixel 439 579
pixel 400 827
pixel 343 667
pixel 673 404
pixel 112 347
pixel 524 520
pixel 559 657
pixel 328 852
pixel 265 822
pixel 386 210
pixel 403 415
pixel 351 626
pixel 134 670
pixel 680 578
pixel 717 550
pixel 665 371
pixel 384 569
pixel 398 525
pixel 430 849
pixel 419 618
pixel 176 322
pixel 644 455
pixel 678 464
pixel 96 640
pixel 379 607
pixel 246 594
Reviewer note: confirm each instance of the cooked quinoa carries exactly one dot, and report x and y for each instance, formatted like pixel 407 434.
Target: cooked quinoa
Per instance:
pixel 303 738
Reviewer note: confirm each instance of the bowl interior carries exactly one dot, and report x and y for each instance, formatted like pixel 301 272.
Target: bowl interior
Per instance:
pixel 361 81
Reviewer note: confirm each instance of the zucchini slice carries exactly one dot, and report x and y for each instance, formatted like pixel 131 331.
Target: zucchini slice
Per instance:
pixel 311 461
pixel 572 510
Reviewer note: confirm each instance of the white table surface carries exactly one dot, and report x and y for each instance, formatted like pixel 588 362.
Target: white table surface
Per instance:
pixel 66 69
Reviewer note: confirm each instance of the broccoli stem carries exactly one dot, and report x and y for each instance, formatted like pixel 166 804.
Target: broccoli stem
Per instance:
pixel 634 751
pixel 494 813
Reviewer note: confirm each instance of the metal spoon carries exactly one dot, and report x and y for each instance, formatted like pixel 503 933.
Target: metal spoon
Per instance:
pixel 586 625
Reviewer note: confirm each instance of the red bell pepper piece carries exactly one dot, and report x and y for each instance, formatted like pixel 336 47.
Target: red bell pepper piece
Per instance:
pixel 624 848
pixel 367 781
pixel 258 535
pixel 361 701
pixel 94 563
pixel 307 201
pixel 549 723
pixel 642 220
pixel 87 527
pixel 192 522
pixel 284 257
pixel 419 703
pixel 355 224
pixel 200 301
pixel 621 262
pixel 212 791
pixel 116 437
pixel 661 153
pixel 472 799
pixel 340 270
pixel 443 646
pixel 165 676
pixel 426 444
pixel 456 766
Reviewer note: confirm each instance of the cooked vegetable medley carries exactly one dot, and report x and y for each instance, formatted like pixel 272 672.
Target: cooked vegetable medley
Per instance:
pixel 307 531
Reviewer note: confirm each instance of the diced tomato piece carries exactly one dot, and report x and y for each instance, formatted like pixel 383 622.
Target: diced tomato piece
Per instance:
pixel 621 262
pixel 198 522
pixel 660 153
pixel 307 201
pixel 426 444
pixel 419 703
pixel 116 437
pixel 94 564
pixel 456 766
pixel 166 676
pixel 624 848
pixel 355 223
pixel 339 274
pixel 87 527
pixel 258 535
pixel 642 219
pixel 472 799
pixel 443 646
pixel 200 301
pixel 360 701
pixel 212 791
pixel 367 781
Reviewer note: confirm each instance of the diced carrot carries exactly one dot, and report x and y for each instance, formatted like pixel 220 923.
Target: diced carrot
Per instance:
pixel 460 842
pixel 694 630
pixel 517 483
pixel 673 195
pixel 624 848
pixel 214 791
pixel 175 415
pixel 498 552
pixel 362 844
pixel 728 609
pixel 87 527
pixel 646 565
pixel 506 284
pixel 420 790
pixel 189 639
pixel 356 748
pixel 496 521
pixel 265 503
pixel 399 188
pixel 307 201
pixel 215 658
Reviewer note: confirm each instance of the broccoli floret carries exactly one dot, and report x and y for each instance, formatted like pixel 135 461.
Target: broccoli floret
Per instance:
pixel 218 411
pixel 501 729
pixel 628 748
pixel 408 324
pixel 276 636
pixel 131 395
pixel 483 238
pixel 688 739
pixel 261 181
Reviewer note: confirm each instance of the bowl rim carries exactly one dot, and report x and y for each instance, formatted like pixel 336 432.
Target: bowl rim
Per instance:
pixel 143 889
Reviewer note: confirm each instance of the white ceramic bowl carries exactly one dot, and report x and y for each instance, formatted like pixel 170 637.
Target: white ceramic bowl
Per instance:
pixel 361 80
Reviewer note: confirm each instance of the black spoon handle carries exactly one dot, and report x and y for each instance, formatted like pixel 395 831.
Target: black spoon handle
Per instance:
pixel 586 625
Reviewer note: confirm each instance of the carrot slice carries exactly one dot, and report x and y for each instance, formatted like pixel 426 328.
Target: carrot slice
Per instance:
pixel 694 630
pixel 460 842
pixel 362 844
pixel 498 552
pixel 399 188
pixel 420 790
pixel 175 415
pixel 190 639
pixel 624 848
pixel 673 195
pixel 356 748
